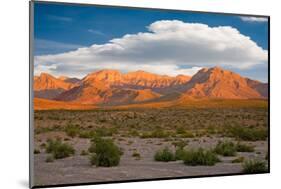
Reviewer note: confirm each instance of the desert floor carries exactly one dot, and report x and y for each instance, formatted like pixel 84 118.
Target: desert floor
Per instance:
pixel 136 131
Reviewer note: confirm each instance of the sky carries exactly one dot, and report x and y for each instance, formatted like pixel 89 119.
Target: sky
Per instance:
pixel 75 40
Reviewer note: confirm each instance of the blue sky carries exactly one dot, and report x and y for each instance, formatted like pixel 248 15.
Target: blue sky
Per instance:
pixel 60 28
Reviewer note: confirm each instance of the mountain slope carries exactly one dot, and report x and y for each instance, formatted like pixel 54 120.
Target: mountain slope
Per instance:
pixel 218 83
pixel 49 87
pixel 262 88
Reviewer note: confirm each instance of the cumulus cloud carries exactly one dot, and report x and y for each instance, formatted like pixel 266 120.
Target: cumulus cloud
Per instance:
pixel 169 47
pixel 253 19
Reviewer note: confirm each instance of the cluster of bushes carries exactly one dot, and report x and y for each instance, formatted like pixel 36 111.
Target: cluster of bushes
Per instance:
pixel 164 155
pixel 200 157
pixel 248 134
pixel 157 133
pixel 104 152
pixel 228 148
pixel 74 131
pixel 254 166
pixel 190 157
pixel 58 149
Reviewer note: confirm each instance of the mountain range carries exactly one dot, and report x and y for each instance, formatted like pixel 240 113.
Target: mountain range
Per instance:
pixel 111 87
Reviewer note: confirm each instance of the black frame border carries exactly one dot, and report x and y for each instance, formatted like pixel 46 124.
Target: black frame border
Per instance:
pixel 31 74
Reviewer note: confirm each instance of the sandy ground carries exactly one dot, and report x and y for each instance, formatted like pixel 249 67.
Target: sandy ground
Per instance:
pixel 77 169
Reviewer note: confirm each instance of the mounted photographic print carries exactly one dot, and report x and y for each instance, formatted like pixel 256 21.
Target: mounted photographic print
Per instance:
pixel 123 94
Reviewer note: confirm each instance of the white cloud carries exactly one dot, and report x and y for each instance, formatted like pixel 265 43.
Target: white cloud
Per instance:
pixel 96 32
pixel 60 18
pixel 253 19
pixel 170 47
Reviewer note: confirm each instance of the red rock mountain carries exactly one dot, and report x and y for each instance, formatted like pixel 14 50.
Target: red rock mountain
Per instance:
pixel 111 87
pixel 49 87
pixel 138 79
pixel 218 83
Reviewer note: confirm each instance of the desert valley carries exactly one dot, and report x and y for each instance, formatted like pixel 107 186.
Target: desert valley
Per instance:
pixel 214 122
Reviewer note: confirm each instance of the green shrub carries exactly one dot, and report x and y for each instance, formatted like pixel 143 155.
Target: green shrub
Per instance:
pixel 225 148
pixel 36 151
pixel 106 153
pixel 72 130
pixel 248 134
pixel 180 130
pixel 254 166
pixel 84 153
pixel 187 134
pixel 164 155
pixel 180 143
pixel 136 155
pixel 180 153
pixel 238 160
pixel 134 133
pixel 87 134
pixel 103 131
pixel 157 133
pixel 200 157
pixel 49 159
pixel 58 149
pixel 244 148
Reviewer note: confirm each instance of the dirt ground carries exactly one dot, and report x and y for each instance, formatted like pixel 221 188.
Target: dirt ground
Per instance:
pixel 77 168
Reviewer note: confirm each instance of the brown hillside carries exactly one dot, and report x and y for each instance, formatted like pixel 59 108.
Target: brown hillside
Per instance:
pixel 218 83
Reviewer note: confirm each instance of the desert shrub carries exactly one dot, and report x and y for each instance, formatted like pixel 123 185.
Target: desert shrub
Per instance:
pixel 244 148
pixel 180 143
pixel 238 160
pixel 39 130
pixel 200 157
pixel 180 130
pixel 49 159
pixel 136 155
pixel 87 134
pixel 72 130
pixel 58 149
pixel 248 134
pixel 36 151
pixel 84 153
pixel 133 132
pixel 106 153
pixel 187 134
pixel 225 148
pixel 164 155
pixel 157 133
pixel 103 131
pixel 180 153
pixel 254 166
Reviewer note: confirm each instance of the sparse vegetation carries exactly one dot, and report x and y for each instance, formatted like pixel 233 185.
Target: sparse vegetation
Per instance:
pixel 254 166
pixel 136 155
pixel 200 157
pixel 180 143
pixel 248 134
pixel 164 155
pixel 225 148
pixel 238 160
pixel 72 130
pixel 49 159
pixel 58 149
pixel 180 153
pixel 84 153
pixel 153 129
pixel 106 153
pixel 157 133
pixel 244 148
pixel 36 151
